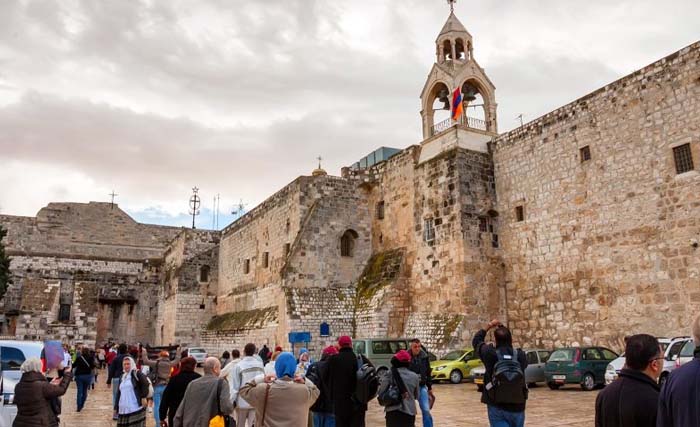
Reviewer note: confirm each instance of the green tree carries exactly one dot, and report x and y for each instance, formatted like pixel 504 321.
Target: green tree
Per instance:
pixel 4 265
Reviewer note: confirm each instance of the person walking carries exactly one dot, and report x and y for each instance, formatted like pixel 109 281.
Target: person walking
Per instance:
pixel 84 375
pixel 34 395
pixel 408 383
pixel 161 368
pixel 270 366
pixel 204 398
pixel 228 369
pixel 282 401
pixel 304 361
pixel 505 402
pixel 264 354
pixel 679 401
pixel 632 400
pixel 133 388
pixel 420 364
pixel 342 379
pixel 175 391
pixel 322 409
pixel 247 369
pixel 114 374
pixel 225 358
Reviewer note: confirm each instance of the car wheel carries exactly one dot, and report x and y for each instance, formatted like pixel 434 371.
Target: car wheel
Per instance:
pixel 588 382
pixel 662 379
pixel 456 376
pixel 553 386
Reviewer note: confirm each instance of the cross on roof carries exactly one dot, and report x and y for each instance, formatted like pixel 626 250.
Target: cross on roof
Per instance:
pixel 452 5
pixel 113 194
pixel 319 158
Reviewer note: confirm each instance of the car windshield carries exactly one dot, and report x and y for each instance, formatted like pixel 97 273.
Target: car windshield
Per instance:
pixel 688 349
pixel 197 350
pixel 453 355
pixel 562 355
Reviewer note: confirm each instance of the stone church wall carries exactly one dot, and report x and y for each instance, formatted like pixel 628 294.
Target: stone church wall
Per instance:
pixel 605 248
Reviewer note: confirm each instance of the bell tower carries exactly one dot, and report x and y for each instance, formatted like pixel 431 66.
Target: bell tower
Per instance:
pixel 455 67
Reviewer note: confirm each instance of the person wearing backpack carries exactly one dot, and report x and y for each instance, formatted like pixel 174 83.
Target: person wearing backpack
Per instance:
pixel 342 380
pixel 505 391
pixel 159 374
pixel 399 403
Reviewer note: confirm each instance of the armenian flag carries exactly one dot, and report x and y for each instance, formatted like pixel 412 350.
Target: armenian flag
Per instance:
pixel 457 107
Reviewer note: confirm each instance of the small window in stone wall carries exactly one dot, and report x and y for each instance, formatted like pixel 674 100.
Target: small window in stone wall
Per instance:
pixel 585 153
pixel 347 243
pixel 266 259
pixel 429 230
pixel 246 266
pixel 520 213
pixel 380 210
pixel 204 273
pixel 64 313
pixel 683 158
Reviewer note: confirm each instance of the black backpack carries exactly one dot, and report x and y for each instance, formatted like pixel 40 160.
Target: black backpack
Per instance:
pixel 508 380
pixel 390 396
pixel 367 382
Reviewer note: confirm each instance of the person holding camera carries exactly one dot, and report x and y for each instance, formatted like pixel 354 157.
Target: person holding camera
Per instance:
pixel 505 391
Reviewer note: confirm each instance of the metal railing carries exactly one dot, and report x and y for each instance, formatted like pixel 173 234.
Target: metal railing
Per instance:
pixel 470 122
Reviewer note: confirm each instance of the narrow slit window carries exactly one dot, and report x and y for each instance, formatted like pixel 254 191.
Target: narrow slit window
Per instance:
pixel 683 158
pixel 429 230
pixel 585 153
pixel 380 210
pixel 246 266
pixel 266 259
pixel 520 213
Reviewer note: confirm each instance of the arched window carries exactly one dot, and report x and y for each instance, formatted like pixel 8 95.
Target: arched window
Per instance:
pixel 447 50
pixel 347 243
pixel 204 273
pixel 459 50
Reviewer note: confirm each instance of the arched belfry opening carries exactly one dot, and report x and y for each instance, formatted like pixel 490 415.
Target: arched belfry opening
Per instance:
pixel 475 108
pixel 460 53
pixel 446 50
pixel 438 108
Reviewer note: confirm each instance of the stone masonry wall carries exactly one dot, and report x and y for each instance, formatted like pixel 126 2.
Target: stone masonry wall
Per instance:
pixel 606 245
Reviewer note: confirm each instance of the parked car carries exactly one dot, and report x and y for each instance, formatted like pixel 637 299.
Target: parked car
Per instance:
pixel 199 354
pixel 670 357
pixel 536 361
pixel 686 354
pixel 455 366
pixel 12 355
pixel 614 367
pixel 578 365
pixel 379 350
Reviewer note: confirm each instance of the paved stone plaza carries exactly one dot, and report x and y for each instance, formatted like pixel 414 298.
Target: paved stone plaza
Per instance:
pixel 456 406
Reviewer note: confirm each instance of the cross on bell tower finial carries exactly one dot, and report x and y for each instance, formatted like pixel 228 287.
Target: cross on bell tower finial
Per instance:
pixel 452 5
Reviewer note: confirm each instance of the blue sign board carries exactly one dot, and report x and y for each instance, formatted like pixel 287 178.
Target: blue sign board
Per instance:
pixel 325 330
pixel 299 337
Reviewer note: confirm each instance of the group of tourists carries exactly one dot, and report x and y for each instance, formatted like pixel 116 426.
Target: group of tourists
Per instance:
pixel 265 388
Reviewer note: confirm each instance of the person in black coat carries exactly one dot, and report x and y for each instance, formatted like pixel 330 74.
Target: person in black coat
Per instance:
pixel 679 402
pixel 342 378
pixel 322 409
pixel 511 413
pixel 175 390
pixel 84 376
pixel 632 400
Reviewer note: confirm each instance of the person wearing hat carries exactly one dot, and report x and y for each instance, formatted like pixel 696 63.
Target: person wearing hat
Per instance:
pixel 342 379
pixel 408 382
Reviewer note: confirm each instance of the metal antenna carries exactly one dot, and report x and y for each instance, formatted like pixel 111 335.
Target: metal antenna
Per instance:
pixel 113 194
pixel 239 209
pixel 195 203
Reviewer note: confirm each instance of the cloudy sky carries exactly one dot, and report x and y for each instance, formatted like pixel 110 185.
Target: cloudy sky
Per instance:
pixel 150 98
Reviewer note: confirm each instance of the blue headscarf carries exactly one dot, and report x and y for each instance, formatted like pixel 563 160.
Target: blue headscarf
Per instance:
pixel 285 364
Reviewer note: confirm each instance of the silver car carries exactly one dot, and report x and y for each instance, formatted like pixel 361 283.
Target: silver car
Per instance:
pixel 672 353
pixel 12 355
pixel 614 367
pixel 198 353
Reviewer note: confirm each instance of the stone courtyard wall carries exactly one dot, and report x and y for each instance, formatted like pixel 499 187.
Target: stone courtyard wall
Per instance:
pixel 606 245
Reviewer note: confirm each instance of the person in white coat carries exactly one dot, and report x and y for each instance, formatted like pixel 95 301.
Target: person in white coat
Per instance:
pixel 245 371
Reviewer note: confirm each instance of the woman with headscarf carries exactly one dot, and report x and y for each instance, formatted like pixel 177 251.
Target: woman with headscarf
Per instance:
pixel 304 361
pixel 175 390
pixel 133 388
pixel 33 395
pixel 284 401
pixel 408 383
